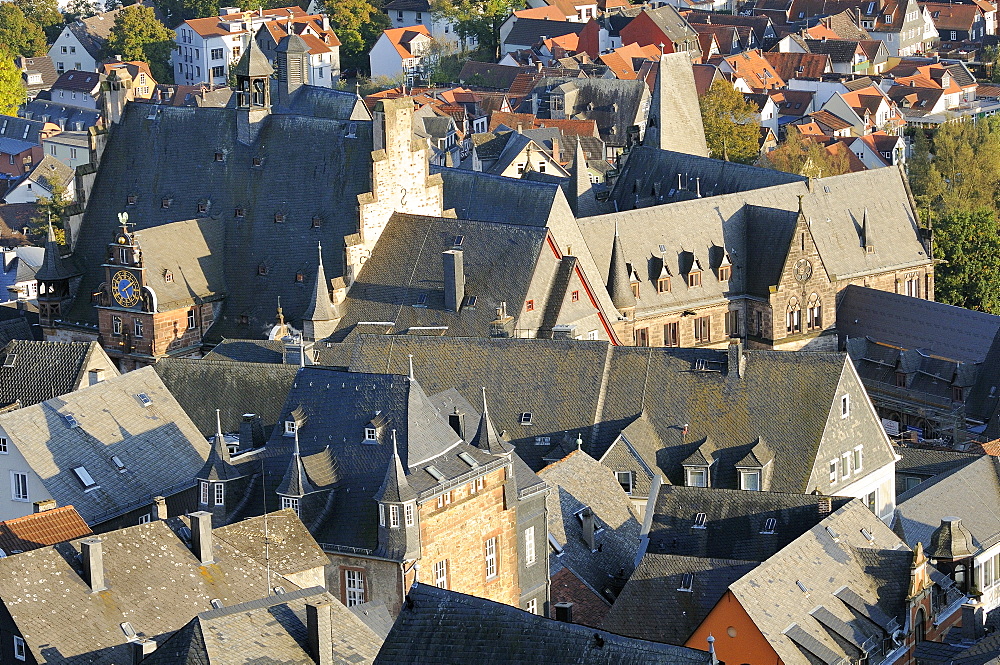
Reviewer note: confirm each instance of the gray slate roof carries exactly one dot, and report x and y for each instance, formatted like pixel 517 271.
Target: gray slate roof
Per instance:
pixel 444 627
pixel 579 481
pixel 161 448
pixel 275 626
pixel 929 463
pixel 675 116
pixel 235 388
pixel 527 32
pixel 249 350
pixel 494 198
pixel 42 370
pixel 614 104
pixel 961 493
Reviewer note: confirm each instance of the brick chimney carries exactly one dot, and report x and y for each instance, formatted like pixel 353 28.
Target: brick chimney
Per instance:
pixel 92 557
pixel 201 536
pixel 555 150
pixel 44 505
pixel 319 624
pixel 824 506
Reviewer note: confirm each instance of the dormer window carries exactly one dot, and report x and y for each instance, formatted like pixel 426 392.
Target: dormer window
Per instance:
pixel 165 203
pixel 299 277
pixel 750 480
pixel 168 277
pixel 132 198
pixel 663 285
pixel 635 289
pixel 257 161
pixel 525 418
pixel 694 278
pixel 316 222
pixel 239 213
pixel 957 394
pixel 291 427
pixel 687 582
pixel 371 435
pixel 696 476
pixel 700 521
pixel 202 208
pixel 219 157
pixel 262 269
pixel 725 272
pixel 279 218
pixel 769 525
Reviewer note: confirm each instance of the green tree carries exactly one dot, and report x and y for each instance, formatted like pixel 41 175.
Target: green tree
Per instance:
pixel 78 9
pixel 969 242
pixel 45 14
pixel 178 11
pixel 358 24
pixel 19 35
pixel 138 35
pixel 54 208
pixel 732 124
pixel 478 19
pixel 806 157
pixel 11 85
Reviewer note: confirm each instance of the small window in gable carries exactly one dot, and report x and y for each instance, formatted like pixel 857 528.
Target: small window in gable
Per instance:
pixel 845 406
pixel 132 198
pixel 625 480
pixel 576 296
pixel 525 418
pixel 290 427
pixel 371 434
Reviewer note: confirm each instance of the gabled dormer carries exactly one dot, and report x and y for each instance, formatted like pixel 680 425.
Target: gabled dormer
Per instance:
pixel 691 268
pixel 754 471
pixel 659 274
pixel 374 431
pixel 699 466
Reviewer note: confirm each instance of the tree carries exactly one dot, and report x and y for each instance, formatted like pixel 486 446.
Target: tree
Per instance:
pixel 178 11
pixel 358 24
pixel 478 19
pixel 78 9
pixel 970 244
pixel 732 124
pixel 19 35
pixel 11 85
pixel 806 157
pixel 138 35
pixel 55 209
pixel 45 14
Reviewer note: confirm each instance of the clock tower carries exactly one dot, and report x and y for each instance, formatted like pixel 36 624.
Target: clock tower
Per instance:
pixel 125 307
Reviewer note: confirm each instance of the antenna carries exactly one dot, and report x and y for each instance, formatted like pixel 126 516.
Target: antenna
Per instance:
pixel 267 540
pixel 411 368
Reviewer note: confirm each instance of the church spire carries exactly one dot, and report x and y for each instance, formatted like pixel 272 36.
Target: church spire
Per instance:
pixel 486 438
pixel 619 287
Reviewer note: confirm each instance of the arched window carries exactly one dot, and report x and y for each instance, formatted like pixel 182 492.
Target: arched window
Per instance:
pixel 814 313
pixel 920 626
pixel 793 317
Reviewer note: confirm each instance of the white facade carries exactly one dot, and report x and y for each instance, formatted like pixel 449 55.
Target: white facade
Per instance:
pixel 442 31
pixel 70 148
pixel 68 53
pixel 23 486
pixel 386 60
pixel 29 191
pixel 198 59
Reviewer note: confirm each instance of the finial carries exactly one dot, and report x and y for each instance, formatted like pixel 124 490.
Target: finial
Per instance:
pixel 302 357
pixel 218 424
pixel 485 408
pixel 296 452
pixel 801 196
pixel 319 247
pixel 616 227
pixel 579 441
pixel 410 356
pixel 395 448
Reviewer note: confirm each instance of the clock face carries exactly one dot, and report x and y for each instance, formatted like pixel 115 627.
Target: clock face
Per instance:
pixel 803 270
pixel 125 289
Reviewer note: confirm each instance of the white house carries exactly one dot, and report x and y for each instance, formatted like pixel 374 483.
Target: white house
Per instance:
pixel 39 183
pixel 18 266
pixel 404 13
pixel 399 53
pixel 80 43
pixel 70 148
pixel 206 47
pixel 319 38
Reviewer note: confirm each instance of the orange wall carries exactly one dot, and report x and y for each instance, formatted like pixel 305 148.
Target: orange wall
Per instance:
pixel 737 640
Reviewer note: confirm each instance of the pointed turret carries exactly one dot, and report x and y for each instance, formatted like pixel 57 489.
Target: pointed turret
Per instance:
pixel 218 466
pixel 395 488
pixel 320 317
pixel 486 438
pixel 296 483
pixel 579 184
pixel 253 63
pixel 53 267
pixel 619 284
pixel 292 58
pixel 253 93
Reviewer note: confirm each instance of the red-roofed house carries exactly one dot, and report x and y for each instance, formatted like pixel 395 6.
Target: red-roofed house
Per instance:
pixel 320 39
pixel 41 529
pixel 878 149
pixel 754 69
pixel 399 52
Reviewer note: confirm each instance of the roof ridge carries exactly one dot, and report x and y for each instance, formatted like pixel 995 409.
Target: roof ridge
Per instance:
pixel 260 603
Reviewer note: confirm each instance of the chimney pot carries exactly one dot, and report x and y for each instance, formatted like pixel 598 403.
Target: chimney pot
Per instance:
pixel 737 362
pixel 201 536
pixel 44 505
pixel 457 421
pixel 141 649
pixel 454 279
pixel 319 623
pixel 160 508
pixel 92 555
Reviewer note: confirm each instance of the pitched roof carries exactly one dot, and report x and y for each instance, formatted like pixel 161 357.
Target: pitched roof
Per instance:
pixel 674 108
pixel 249 350
pixel 42 529
pixel 253 62
pixel 78 81
pixel 276 625
pixel 71 624
pixel 160 447
pixel 456 628
pixel 527 32
pixel 401 38
pixel 33 372
pixel 488 74
pixel 799 65
pixel 614 104
pixel 947 16
pixel 755 70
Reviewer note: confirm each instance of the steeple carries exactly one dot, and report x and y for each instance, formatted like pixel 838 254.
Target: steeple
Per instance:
pixel 486 437
pixel 320 318
pixel 292 59
pixel 619 286
pixel 579 183
pixel 53 267
pixel 395 488
pixel 54 278
pixel 280 330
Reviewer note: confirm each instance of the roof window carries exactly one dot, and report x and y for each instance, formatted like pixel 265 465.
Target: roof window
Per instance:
pixel 802 587
pixel 84 477
pixel 279 218
pixel 70 420
pixel 433 471
pixel 128 630
pixel 458 241
pixel 687 582
pixel 525 418
pixel 9 360
pixel 119 464
pixel 468 459
pixel 700 519
pixel 769 524
pixel 144 399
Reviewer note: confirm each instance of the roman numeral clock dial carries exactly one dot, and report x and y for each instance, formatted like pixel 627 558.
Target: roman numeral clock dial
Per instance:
pixel 125 289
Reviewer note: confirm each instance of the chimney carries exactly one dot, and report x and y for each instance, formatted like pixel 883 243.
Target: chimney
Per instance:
pixel 454 279
pixel 44 504
pixel 555 150
pixel 141 649
pixel 825 506
pixel 251 432
pixel 973 622
pixel 201 536
pixel 564 612
pixel 92 557
pixel 319 624
pixel 160 508
pixel 96 375
pixel 587 517
pixel 457 422
pixel 737 362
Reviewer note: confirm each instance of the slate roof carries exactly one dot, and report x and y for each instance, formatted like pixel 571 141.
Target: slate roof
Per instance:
pixel 12 329
pixel 448 627
pixel 839 50
pixel 489 75
pixel 275 625
pixel 613 103
pixel 962 493
pixel 929 463
pixel 78 81
pixel 161 448
pixel 48 527
pixel 579 481
pixel 494 198
pixel 67 623
pixel 233 387
pixel 249 350
pixel 653 607
pixel 42 370
pixel 914 323
pixel 74 118
pixel 316 127
pixel 674 110
pixel 403 279
pixel 41 65
pixel 561 383
pixel 527 32
pixel 735 522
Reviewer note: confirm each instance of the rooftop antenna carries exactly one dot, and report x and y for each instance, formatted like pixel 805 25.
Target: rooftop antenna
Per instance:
pixel 267 540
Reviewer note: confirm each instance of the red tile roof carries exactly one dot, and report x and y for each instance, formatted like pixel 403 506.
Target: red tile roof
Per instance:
pixel 42 529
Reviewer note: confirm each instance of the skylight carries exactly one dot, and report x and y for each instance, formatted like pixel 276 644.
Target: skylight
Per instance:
pixel 119 464
pixel 699 521
pixel 687 582
pixel 435 474
pixel 769 524
pixel 144 399
pixel 526 418
pixel 70 420
pixel 468 459
pixel 84 476
pixel 9 359
pixel 128 630
pixel 802 587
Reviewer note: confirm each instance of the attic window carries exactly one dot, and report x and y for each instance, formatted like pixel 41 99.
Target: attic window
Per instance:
pixel 257 161
pixel 421 300
pixel 279 218
pixel 694 278
pixel 458 241
pixel 316 222
pixel 217 604
pixel 9 359
pixel 128 630
pixel 290 427
pixel 218 157
pixel 470 301
pixel 84 477
pixel 299 277
pixel 434 473
pixel 802 587
pixel 239 212
pixel 131 199
pixel 165 203
pixel 352 130
pixel 687 582
pixel 725 272
pixel 371 434
pixel 144 399
pixel 525 418
pixel 700 519
pixel 635 289
pixel 168 277
pixel 244 320
pixel 119 464
pixel 262 269
pixel 202 207
pixel 868 535
pixel 769 524
pixel 71 421
pixel 663 285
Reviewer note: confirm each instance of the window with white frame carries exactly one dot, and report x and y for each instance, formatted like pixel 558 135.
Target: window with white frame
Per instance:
pixel 354 587
pixel 137 324
pixel 370 434
pixel 408 512
pixel 394 517
pixel 857 458
pixel 381 514
pixel 290 503
pixel 845 465
pixel 220 494
pixel 697 476
pixel 529 546
pixel 490 547
pixel 845 406
pixel 3 445
pixel 625 480
pixel 144 519
pixel 441 574
pixel 750 480
pixel 204 494
pixel 18 486
pixel 20 651
pixel 532 606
